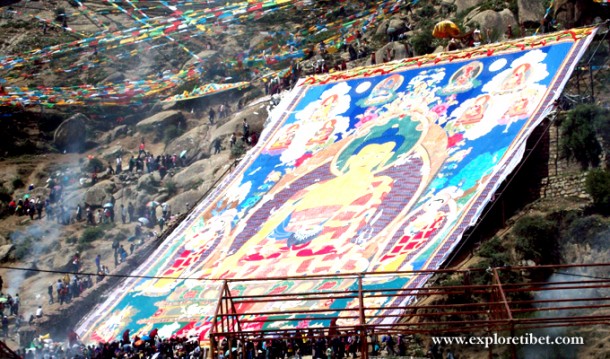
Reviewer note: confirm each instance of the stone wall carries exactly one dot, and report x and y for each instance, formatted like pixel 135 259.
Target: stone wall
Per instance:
pixel 565 178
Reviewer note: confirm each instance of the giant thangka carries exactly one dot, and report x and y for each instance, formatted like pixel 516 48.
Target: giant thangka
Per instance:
pixel 375 169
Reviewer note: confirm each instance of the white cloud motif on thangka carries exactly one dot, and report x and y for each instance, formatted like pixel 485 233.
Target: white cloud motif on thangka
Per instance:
pixel 523 72
pixel 238 193
pixel 498 65
pixel 167 330
pixel 320 122
pixel 363 87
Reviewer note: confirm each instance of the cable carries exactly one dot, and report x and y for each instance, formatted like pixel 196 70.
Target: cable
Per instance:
pixel 597 48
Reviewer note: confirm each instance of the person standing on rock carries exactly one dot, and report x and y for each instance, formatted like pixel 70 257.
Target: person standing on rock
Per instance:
pixel 246 128
pixel 212 114
pixel 15 306
pixel 130 210
pixel 119 165
pixel 165 208
pixel 217 146
pixel 161 223
pixel 123 214
pixel 98 262
pixel 60 291
pixel 132 164
pixel 142 149
pixel 5 326
pixel 50 291
pixel 39 204
pixel 79 213
pixel 90 217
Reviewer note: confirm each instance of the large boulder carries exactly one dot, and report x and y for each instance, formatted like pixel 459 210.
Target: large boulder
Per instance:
pixel 161 119
pixel 118 131
pixel 463 5
pixel 111 153
pixel 497 22
pixel 191 142
pixel 531 11
pixel 202 55
pixel 4 252
pixel 179 202
pixel 150 182
pixel 382 29
pixel 99 194
pixel 398 50
pixel 396 26
pixel 192 175
pixel 573 13
pixel 70 136
pixel 113 78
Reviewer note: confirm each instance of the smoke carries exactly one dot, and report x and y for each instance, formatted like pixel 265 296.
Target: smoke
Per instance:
pixel 30 245
pixel 557 298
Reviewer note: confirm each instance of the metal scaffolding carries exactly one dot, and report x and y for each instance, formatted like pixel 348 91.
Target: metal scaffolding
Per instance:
pixel 475 301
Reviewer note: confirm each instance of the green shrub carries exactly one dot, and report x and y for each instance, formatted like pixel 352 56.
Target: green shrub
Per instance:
pixel 171 188
pixel 18 183
pixel 495 252
pixel 579 136
pixel 597 185
pixel 238 149
pixel 91 234
pixel 586 227
pixel 426 11
pixel 5 195
pixel 81 247
pixel 536 239
pixel 120 236
pixel 71 240
pixel 23 246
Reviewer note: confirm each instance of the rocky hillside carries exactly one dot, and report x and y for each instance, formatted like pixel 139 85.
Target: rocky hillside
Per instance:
pixel 68 155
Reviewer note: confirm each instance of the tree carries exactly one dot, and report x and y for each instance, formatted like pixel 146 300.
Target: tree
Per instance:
pixel 579 135
pixel 597 185
pixel 536 239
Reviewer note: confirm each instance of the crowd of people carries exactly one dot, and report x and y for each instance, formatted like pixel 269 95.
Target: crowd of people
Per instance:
pixel 312 343
pixel 136 347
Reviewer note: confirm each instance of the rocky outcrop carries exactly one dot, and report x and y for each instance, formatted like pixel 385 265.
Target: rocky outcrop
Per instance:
pixel 179 202
pixel 497 22
pixel 463 5
pixel 191 142
pixel 531 11
pixel 99 194
pixel 161 119
pixel 395 49
pixel 382 28
pixel 114 77
pixel 5 251
pixel 112 153
pixel 70 136
pixel 192 175
pixel 573 13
